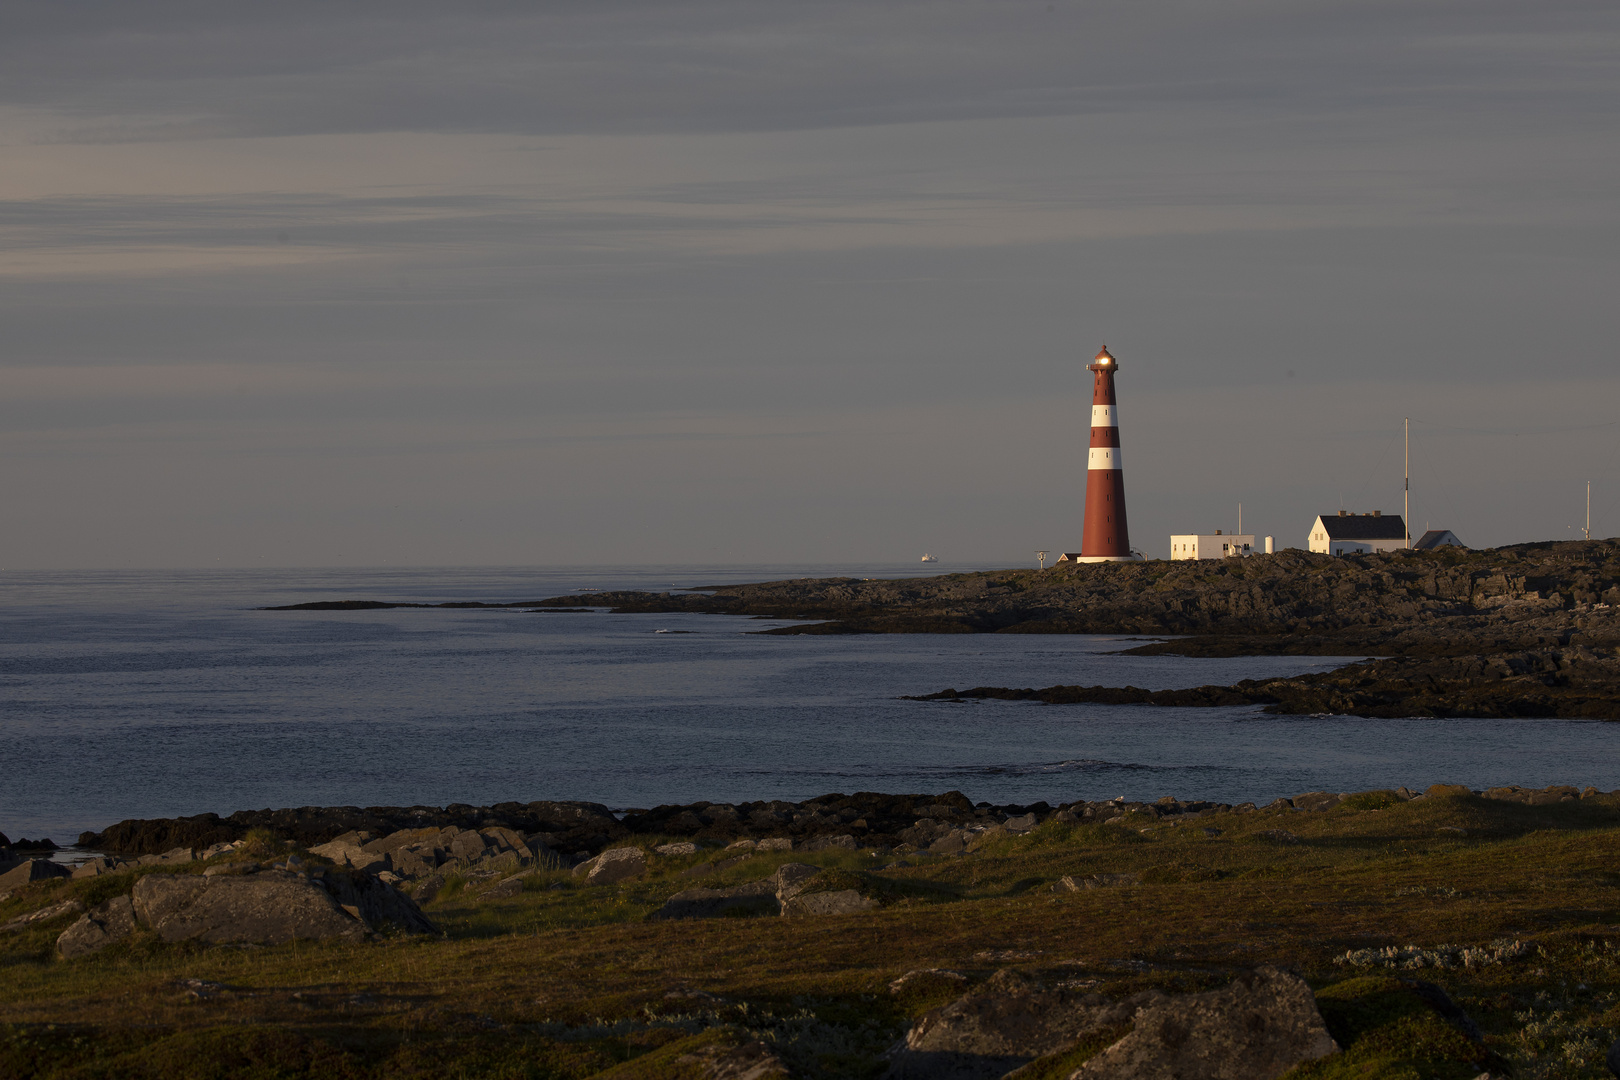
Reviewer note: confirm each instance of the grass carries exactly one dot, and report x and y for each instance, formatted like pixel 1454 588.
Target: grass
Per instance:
pixel 563 980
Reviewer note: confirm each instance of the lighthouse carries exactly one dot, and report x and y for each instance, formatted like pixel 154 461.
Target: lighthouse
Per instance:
pixel 1106 538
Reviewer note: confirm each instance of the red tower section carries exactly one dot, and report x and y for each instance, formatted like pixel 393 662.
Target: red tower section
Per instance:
pixel 1106 538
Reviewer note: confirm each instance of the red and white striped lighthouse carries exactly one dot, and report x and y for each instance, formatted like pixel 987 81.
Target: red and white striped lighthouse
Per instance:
pixel 1106 538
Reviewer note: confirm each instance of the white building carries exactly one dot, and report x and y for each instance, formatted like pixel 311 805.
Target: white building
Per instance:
pixel 1205 546
pixel 1348 534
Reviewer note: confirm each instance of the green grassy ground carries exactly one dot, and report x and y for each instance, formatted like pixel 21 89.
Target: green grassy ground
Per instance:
pixel 570 982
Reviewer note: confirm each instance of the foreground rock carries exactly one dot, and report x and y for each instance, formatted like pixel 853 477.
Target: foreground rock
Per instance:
pixel 1009 1021
pixel 266 907
pixel 102 926
pixel 1257 1028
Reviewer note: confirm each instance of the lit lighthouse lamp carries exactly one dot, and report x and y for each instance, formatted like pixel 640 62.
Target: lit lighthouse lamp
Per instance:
pixel 1106 538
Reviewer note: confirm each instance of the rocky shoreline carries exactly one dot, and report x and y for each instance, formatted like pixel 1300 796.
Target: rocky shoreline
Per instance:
pixel 1531 630
pixel 1573 682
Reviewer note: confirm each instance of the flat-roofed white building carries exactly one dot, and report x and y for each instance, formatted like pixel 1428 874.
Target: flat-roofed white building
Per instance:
pixel 1217 545
pixel 1348 534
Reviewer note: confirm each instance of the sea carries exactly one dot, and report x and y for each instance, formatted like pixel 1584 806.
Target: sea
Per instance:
pixel 142 694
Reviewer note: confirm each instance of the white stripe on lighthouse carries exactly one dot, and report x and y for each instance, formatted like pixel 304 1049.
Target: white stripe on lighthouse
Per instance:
pixel 1104 457
pixel 1103 416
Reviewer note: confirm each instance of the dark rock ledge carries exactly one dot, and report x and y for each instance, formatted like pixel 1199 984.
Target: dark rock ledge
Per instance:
pixel 1573 681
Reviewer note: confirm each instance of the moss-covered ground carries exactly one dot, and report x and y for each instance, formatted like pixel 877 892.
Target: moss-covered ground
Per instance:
pixel 567 981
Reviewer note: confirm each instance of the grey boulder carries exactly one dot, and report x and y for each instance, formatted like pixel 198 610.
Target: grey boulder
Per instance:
pixel 1009 1021
pixel 753 898
pixel 836 902
pixel 97 928
pixel 1261 1025
pixel 31 870
pixel 266 908
pixel 613 865
pixel 22 922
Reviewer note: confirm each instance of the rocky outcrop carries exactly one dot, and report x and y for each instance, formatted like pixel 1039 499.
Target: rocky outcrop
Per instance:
pixel 1567 681
pixel 560 826
pixel 1257 1028
pixel 266 908
pixel 44 914
pixel 30 870
pixel 102 926
pixel 777 894
pixel 1009 1021
pixel 1262 1024
pixel 831 902
pixel 248 906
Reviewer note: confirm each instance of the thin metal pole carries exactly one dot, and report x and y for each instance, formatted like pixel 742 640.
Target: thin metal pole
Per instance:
pixel 1406 497
pixel 1589 509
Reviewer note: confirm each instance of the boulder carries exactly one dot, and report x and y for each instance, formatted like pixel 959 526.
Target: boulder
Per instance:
pixel 684 847
pixel 266 908
pixel 1009 1021
pixel 504 890
pixel 839 902
pixel 31 870
pixel 953 842
pixel 66 907
pixel 1022 823
pixel 1317 800
pixel 613 865
pixel 1257 1028
pixel 97 928
pixel 753 898
pixel 105 864
pixel 376 903
pixel 791 878
pixel 846 842
pixel 171 857
pixel 777 843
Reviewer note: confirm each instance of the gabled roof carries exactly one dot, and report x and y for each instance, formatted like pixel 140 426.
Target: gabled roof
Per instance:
pixel 1364 527
pixel 1436 538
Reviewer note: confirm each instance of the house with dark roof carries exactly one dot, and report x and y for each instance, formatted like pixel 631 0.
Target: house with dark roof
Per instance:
pixel 1347 534
pixel 1437 538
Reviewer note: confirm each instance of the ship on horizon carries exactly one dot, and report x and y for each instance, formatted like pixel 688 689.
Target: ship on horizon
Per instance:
pixel 929 558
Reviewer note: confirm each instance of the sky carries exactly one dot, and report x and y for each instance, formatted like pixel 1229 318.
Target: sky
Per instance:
pixel 308 284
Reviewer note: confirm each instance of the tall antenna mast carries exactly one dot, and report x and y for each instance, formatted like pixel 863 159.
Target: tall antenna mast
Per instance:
pixel 1589 509
pixel 1240 519
pixel 1406 495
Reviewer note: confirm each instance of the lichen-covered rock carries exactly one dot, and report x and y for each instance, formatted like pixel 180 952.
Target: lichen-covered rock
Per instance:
pixel 1257 1028
pixel 97 928
pixel 44 914
pixel 30 870
pixel 615 864
pixel 266 908
pixel 833 902
pixel 1009 1021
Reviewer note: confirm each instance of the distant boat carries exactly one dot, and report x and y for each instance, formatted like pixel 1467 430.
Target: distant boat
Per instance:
pixel 930 558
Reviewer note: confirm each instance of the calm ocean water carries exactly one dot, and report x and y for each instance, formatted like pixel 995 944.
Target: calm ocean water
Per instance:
pixel 147 694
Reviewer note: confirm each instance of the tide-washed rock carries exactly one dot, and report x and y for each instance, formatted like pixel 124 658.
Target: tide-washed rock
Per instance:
pixel 613 865
pixel 1009 1021
pixel 266 908
pixel 1260 1026
pixel 835 902
pixel 44 914
pixel 97 928
pixel 31 870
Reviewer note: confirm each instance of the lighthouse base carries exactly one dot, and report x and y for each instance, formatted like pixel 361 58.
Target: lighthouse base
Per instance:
pixel 1069 556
